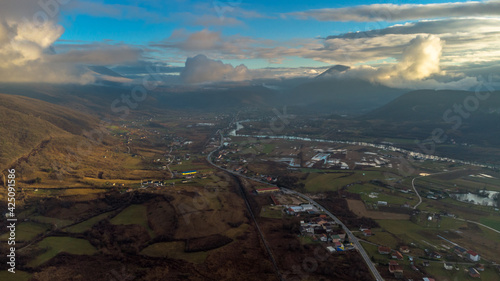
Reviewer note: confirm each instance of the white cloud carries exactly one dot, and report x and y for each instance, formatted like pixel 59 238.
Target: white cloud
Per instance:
pixel 392 12
pixel 419 60
pixel 27 52
pixel 200 69
pixel 418 68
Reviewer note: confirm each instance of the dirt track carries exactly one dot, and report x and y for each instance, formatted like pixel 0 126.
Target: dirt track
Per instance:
pixel 357 207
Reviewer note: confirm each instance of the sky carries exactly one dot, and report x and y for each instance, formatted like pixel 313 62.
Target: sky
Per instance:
pixel 412 44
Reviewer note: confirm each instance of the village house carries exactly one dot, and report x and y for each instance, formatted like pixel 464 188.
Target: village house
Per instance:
pixel 330 249
pixel 292 210
pixel 397 270
pixel 361 228
pixel 384 250
pixel 397 255
pixel 473 256
pixel 336 238
pixel 404 249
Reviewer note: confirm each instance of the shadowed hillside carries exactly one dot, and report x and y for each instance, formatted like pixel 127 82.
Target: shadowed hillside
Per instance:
pixel 465 117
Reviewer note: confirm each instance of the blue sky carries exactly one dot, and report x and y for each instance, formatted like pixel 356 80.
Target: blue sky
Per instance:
pixel 407 40
pixel 82 26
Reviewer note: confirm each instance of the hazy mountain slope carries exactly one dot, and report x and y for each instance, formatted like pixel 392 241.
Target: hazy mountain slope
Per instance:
pixel 418 113
pixel 218 99
pixel 92 99
pixel 431 105
pixel 330 95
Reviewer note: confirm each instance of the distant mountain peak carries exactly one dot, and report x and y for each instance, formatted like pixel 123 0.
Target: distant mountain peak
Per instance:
pixel 333 70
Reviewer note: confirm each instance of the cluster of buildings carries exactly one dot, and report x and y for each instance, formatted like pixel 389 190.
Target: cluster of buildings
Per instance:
pixel 302 208
pixel 432 254
pixel 152 183
pixel 323 229
pixel 395 254
pixel 330 158
pixel 372 160
pixel 473 271
pixel 394 267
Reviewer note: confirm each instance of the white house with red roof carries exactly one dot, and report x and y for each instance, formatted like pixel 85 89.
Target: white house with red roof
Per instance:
pixel 473 256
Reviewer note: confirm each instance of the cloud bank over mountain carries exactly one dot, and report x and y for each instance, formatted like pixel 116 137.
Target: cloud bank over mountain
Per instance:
pixel 201 69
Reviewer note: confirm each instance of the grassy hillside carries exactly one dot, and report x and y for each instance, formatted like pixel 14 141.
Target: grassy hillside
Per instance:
pixel 25 123
pixel 65 118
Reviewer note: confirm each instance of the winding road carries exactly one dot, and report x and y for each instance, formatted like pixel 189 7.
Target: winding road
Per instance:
pixel 351 236
pixel 415 189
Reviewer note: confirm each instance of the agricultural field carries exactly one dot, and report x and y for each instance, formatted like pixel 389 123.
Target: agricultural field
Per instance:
pixel 26 231
pixel 438 271
pixel 371 194
pixel 424 234
pixel 134 214
pixel 55 245
pixel 320 182
pixel 18 276
pixel 86 225
pixel 271 212
pixel 358 207
pixel 53 221
pixel 493 222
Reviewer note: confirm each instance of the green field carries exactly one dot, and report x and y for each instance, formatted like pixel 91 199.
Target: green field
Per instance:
pixel 438 271
pixel 383 194
pixel 493 222
pixel 134 214
pixel 405 230
pixel 320 182
pixel 17 276
pixel 308 240
pixel 26 231
pixel 271 212
pixel 188 165
pixel 382 238
pixel 174 250
pixel 268 148
pixel 56 245
pixel 87 225
pixel 54 221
